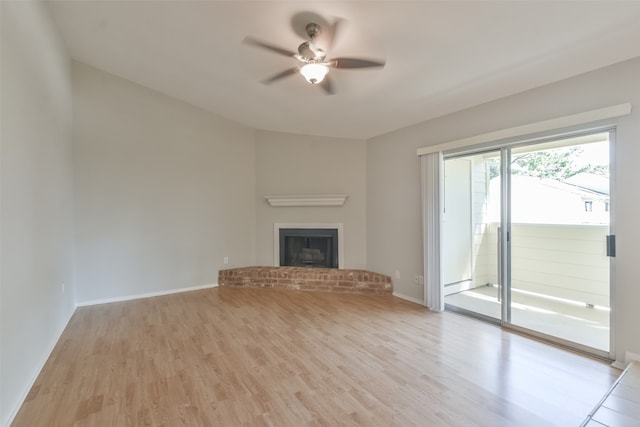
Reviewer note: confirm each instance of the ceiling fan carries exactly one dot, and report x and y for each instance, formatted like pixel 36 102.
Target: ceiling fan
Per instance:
pixel 313 64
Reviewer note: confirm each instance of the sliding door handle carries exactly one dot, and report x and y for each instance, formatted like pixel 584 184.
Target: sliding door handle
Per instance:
pixel 611 245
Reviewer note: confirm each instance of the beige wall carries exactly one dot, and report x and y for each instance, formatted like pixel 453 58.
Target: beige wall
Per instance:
pixel 164 190
pixel 36 191
pixel 394 214
pixel 288 164
pixel 393 190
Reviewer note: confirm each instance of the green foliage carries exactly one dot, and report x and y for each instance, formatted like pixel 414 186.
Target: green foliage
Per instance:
pixel 494 167
pixel 558 164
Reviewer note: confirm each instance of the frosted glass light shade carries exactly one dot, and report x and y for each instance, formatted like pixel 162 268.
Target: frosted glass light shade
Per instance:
pixel 314 72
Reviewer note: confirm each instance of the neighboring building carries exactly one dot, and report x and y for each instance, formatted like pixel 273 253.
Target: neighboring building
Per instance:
pixel 581 199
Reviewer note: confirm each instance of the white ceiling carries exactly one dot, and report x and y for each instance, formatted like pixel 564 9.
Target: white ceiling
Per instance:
pixel 442 56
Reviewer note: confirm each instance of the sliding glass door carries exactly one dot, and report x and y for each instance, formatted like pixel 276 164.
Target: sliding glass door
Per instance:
pixel 525 232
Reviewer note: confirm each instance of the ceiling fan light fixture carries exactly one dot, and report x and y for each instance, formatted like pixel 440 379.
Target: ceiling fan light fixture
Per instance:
pixel 312 61
pixel 314 72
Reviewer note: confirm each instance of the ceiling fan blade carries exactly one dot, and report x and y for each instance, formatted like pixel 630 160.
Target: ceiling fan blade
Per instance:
pixel 255 42
pixel 327 85
pixel 332 33
pixel 355 63
pixel 281 75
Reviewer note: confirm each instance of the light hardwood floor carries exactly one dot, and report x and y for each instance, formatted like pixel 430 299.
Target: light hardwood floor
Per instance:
pixel 234 357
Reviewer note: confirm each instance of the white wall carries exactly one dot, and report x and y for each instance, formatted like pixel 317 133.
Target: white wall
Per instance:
pixel 36 198
pixel 393 190
pixel 457 219
pixel 164 190
pixel 484 248
pixel 288 164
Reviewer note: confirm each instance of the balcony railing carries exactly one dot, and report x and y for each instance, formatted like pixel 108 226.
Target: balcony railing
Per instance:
pixel 559 261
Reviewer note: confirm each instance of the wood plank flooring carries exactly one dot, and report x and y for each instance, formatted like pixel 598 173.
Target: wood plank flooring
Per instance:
pixel 254 357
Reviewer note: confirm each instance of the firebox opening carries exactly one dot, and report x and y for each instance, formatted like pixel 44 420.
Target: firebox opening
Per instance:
pixel 309 247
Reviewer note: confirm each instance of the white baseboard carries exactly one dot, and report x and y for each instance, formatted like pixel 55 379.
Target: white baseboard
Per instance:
pixel 408 298
pixel 618 365
pixel 47 354
pixel 628 358
pixel 148 295
pixel 631 357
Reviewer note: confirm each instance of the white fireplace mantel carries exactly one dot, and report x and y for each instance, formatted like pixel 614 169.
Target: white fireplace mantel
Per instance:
pixel 320 200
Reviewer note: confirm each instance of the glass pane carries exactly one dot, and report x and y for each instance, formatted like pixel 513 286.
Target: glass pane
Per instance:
pixel 559 220
pixel 470 234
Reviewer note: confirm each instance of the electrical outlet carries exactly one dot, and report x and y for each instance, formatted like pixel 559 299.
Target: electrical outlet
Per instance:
pixel 418 279
pixel 397 274
pixel 226 260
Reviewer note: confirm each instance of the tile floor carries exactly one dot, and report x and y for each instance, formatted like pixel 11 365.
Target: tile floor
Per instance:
pixel 621 405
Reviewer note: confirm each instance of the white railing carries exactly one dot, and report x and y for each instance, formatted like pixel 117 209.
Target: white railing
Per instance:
pixel 561 261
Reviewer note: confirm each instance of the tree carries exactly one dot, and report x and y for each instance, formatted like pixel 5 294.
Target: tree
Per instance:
pixel 558 164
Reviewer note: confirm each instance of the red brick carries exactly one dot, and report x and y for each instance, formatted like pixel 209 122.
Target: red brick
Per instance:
pixel 317 279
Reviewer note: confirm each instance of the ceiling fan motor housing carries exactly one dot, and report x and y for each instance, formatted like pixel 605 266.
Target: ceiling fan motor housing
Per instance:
pixel 312 30
pixel 309 52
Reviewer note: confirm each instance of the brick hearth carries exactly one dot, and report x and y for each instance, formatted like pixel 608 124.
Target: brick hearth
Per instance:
pixel 307 279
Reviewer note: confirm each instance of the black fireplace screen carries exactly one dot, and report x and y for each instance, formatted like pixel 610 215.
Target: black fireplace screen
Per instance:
pixel 309 247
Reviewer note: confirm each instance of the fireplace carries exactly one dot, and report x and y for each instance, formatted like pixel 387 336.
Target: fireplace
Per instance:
pixel 308 245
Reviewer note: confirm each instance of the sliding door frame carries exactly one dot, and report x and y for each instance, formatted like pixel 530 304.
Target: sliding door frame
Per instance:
pixel 504 253
pixel 505 147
